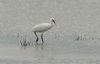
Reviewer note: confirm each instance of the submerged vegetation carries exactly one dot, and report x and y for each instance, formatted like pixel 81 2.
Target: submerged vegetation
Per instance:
pixel 82 36
pixel 75 36
pixel 23 40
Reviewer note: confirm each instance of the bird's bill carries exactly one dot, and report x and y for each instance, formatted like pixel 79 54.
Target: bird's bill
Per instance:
pixel 54 22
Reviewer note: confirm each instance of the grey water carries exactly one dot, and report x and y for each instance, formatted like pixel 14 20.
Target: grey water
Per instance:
pixel 74 40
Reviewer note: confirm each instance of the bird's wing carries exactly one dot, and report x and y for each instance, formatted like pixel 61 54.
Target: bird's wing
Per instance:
pixel 42 27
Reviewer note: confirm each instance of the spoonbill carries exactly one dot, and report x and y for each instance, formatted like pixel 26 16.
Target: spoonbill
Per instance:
pixel 43 27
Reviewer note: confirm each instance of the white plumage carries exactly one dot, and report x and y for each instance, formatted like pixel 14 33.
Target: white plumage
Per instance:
pixel 43 27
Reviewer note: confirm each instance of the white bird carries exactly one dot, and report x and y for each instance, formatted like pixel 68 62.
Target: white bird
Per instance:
pixel 43 27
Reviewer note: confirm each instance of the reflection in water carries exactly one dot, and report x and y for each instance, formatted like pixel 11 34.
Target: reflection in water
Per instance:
pixel 40 46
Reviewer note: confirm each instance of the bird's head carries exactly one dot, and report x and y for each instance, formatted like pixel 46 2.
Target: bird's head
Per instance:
pixel 52 19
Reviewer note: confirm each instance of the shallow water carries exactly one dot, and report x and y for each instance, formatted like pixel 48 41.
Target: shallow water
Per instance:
pixel 50 54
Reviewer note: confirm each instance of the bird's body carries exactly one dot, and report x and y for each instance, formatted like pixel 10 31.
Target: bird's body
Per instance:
pixel 43 27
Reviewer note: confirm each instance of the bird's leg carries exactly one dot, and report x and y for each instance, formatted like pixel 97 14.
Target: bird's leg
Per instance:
pixel 42 38
pixel 36 38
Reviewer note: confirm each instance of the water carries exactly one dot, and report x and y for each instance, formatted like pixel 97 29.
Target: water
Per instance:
pixel 75 39
pixel 50 53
